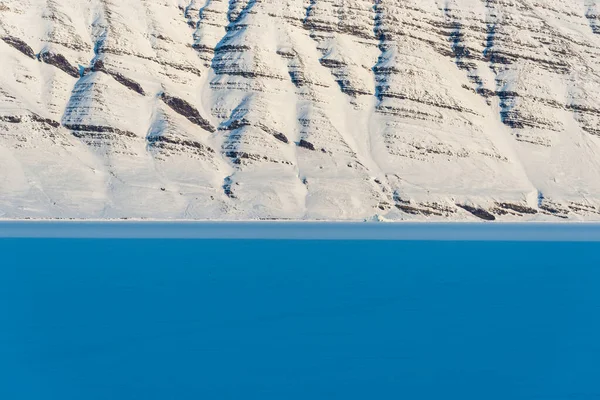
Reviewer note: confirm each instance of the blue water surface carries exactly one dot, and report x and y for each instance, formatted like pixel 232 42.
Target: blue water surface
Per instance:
pixel 267 319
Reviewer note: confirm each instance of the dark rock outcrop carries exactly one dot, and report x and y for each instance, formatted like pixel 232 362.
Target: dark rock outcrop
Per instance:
pixel 129 83
pixel 478 212
pixel 184 108
pixel 60 62
pixel 19 45
pixel 93 130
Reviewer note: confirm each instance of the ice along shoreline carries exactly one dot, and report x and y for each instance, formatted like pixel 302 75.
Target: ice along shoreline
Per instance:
pixel 308 230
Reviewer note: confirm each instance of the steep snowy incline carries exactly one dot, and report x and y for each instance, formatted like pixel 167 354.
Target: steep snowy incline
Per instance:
pixel 300 109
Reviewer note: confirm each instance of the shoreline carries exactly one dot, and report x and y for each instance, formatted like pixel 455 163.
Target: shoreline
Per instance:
pixel 301 230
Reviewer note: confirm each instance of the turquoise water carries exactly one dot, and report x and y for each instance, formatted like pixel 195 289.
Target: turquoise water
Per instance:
pixel 266 319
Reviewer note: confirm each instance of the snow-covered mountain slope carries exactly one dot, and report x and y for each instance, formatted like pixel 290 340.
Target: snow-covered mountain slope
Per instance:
pixel 300 109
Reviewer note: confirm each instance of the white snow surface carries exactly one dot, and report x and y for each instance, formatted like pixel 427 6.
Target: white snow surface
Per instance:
pixel 300 109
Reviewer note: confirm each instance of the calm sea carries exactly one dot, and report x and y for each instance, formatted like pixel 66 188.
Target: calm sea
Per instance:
pixel 87 319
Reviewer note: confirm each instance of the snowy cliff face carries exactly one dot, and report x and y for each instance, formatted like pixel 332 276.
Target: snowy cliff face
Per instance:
pixel 300 109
